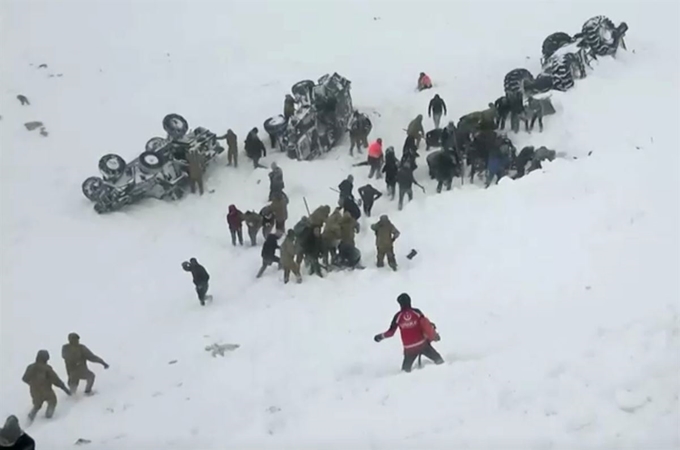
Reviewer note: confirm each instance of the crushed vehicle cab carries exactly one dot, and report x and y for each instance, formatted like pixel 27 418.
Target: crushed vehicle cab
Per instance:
pixel 161 171
pixel 322 112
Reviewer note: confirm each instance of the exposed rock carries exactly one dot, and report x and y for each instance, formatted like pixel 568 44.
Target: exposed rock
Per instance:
pixel 82 441
pixel 220 349
pixel 42 66
pixel 43 132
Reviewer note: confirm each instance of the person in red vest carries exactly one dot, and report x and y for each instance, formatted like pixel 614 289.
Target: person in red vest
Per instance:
pixel 375 158
pixel 424 82
pixel 417 333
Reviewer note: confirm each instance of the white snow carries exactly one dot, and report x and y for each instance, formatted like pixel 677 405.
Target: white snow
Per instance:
pixel 557 296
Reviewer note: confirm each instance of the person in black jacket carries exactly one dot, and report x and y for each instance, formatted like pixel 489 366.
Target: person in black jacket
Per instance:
pixel 346 187
pixel 12 437
pixel 269 257
pixel 406 182
pixel 390 170
pixel 369 195
pixel 201 278
pixel 255 148
pixel 435 110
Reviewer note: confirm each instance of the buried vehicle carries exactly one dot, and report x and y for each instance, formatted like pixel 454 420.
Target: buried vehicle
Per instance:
pixel 161 171
pixel 322 112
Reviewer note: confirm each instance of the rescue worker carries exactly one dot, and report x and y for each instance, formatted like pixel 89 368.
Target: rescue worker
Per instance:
pixel 346 187
pixel 368 195
pixel 331 236
pixel 313 250
pixel 424 82
pixel 359 128
pixel 406 181
pixel 254 223
pixel 375 158
pixel 40 377
pixel 268 220
pixel 319 216
pixel 288 107
pixel 235 221
pixel 200 277
pixel 288 258
pixel 195 161
pixel 12 437
pixel 348 227
pixel 417 333
pixel 435 109
pixel 255 149
pixel 390 169
pixel 76 356
pixel 276 183
pixel 279 207
pixel 385 235
pixel 415 129
pixel 269 253
pixel 232 147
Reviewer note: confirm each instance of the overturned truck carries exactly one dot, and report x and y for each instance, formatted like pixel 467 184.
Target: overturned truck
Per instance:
pixel 161 171
pixel 322 112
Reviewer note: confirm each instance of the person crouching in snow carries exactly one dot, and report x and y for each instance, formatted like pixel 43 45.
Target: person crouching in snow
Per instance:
pixel 417 333
pixel 424 82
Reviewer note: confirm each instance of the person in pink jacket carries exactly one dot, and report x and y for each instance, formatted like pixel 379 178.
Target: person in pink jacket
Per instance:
pixel 424 81
pixel 375 158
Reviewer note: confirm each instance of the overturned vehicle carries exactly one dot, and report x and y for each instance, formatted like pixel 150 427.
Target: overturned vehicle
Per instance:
pixel 161 171
pixel 322 112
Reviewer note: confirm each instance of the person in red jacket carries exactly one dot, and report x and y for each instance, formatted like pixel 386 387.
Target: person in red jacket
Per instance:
pixel 235 221
pixel 375 158
pixel 417 333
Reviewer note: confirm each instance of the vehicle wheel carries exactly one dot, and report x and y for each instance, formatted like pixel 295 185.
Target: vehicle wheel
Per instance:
pixel 600 34
pixel 154 144
pixel 275 125
pixel 560 69
pixel 91 188
pixel 513 81
pixel 175 125
pixel 303 88
pixel 111 166
pixel 151 161
pixel 554 42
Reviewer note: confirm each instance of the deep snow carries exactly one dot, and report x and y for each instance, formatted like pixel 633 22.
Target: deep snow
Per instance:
pixel 557 295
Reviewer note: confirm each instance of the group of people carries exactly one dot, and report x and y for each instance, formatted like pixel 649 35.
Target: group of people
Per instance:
pixel 42 379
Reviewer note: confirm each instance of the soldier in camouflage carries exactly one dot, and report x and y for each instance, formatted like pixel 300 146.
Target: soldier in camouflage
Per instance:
pixel 76 356
pixel 40 377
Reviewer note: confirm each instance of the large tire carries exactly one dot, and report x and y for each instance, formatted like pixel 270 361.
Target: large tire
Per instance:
pixel 175 125
pixel 275 125
pixel 153 144
pixel 600 34
pixel 111 166
pixel 514 80
pixel 561 68
pixel 151 161
pixel 554 42
pixel 91 188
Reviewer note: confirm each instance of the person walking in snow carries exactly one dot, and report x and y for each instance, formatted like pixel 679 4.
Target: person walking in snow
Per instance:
pixel 375 158
pixel 269 253
pixel 40 377
pixel 417 333
pixel 76 357
pixel 368 195
pixel 235 221
pixel 200 277
pixel 255 149
pixel 390 170
pixel 276 183
pixel 435 109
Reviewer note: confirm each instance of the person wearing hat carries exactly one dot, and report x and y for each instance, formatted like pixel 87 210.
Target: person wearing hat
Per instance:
pixel 40 377
pixel 76 356
pixel 200 277
pixel 13 437
pixel 417 333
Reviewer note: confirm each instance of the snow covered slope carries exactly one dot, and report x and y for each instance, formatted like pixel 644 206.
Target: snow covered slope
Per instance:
pixel 556 295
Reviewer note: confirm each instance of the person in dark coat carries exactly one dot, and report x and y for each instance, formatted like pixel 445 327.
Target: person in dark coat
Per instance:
pixel 368 195
pixel 269 257
pixel 235 221
pixel 12 437
pixel 276 183
pixel 255 149
pixel 268 220
pixel 523 158
pixel 496 165
pixel 435 110
pixel 200 277
pixel 313 249
pixel 390 170
pixel 346 187
pixel 406 181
